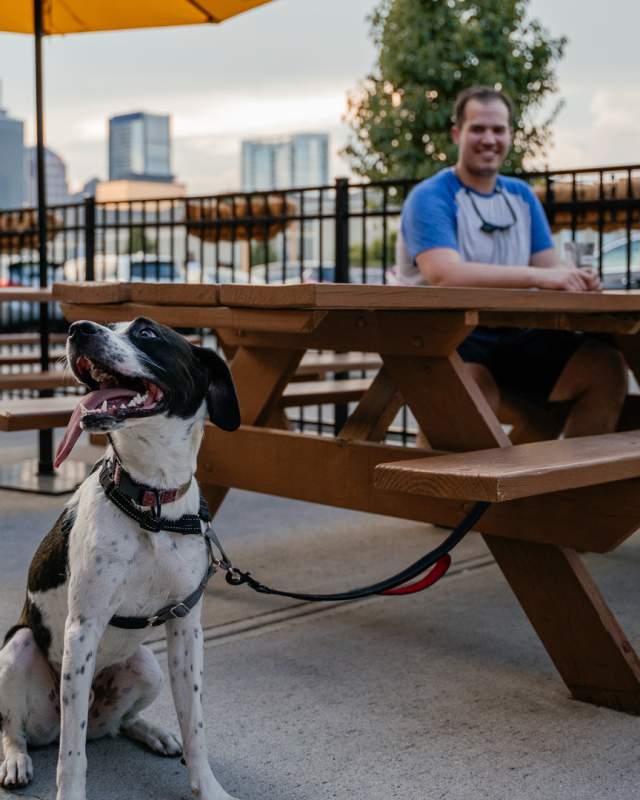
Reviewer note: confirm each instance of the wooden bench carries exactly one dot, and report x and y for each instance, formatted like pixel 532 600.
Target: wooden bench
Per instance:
pixel 310 393
pixel 502 474
pixel 318 365
pixel 26 357
pixel 38 381
pixel 29 339
pixel 36 413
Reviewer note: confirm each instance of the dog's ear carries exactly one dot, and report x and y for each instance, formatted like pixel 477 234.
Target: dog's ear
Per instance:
pixel 222 400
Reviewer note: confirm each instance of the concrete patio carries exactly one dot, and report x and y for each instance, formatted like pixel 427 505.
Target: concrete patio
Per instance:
pixel 446 694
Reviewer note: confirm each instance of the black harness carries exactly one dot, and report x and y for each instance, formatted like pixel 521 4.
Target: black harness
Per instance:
pixel 128 495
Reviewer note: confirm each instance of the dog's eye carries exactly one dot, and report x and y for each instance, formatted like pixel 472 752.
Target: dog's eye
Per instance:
pixel 148 333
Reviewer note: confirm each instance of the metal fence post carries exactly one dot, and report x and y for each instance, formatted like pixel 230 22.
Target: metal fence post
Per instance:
pixel 89 238
pixel 340 410
pixel 342 230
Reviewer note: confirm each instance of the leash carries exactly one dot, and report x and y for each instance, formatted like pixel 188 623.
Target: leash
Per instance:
pixel 128 495
pixel 437 561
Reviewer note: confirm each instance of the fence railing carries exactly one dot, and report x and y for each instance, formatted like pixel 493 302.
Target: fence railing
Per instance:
pixel 342 232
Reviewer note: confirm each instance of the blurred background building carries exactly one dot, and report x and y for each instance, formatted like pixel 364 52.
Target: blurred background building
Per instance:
pixel 284 163
pixel 11 159
pixel 140 147
pixel 56 177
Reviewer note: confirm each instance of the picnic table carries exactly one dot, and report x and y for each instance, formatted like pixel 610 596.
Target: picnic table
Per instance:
pixel 551 503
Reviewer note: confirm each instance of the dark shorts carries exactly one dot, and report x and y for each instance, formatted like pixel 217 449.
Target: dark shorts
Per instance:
pixel 527 360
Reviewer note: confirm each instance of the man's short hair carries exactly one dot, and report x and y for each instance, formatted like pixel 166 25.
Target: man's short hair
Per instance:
pixel 485 94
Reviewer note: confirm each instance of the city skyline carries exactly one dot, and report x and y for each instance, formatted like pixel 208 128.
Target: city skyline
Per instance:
pixel 287 67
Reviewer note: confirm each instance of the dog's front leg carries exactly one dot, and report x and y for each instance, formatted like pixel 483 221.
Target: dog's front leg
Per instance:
pixel 81 640
pixel 185 656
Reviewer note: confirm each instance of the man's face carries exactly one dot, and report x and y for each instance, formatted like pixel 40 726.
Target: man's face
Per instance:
pixel 484 139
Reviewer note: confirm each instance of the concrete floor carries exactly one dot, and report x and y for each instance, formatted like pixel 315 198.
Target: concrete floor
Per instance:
pixel 446 694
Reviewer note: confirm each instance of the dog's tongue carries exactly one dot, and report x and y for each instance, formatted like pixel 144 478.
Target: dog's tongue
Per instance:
pixel 89 402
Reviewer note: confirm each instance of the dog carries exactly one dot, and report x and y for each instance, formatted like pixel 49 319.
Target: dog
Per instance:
pixel 75 666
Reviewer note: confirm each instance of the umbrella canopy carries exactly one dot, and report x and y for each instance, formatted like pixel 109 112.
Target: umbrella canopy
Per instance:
pixel 81 16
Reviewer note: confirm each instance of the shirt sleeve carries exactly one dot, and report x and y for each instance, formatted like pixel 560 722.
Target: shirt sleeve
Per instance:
pixel 541 238
pixel 428 221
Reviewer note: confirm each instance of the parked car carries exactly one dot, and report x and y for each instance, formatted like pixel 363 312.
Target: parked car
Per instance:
pixel 614 263
pixel 125 267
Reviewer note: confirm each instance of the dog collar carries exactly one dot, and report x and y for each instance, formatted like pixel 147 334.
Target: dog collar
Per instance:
pixel 140 493
pixel 127 493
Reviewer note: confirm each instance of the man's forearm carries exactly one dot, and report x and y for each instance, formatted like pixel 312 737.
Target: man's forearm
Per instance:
pixel 470 273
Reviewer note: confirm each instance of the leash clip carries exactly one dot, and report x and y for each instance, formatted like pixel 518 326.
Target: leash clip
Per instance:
pixel 235 577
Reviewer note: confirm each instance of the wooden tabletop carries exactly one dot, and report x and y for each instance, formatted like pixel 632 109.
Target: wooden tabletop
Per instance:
pixel 350 296
pixel 9 294
pixel 363 296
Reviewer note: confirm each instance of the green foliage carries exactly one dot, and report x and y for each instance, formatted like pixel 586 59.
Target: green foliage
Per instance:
pixel 139 242
pixel 374 251
pixel 429 51
pixel 264 253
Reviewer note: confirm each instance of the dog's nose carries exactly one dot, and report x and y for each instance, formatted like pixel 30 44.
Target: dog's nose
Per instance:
pixel 83 328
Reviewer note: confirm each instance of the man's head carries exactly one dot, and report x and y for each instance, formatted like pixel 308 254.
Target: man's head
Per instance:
pixel 482 130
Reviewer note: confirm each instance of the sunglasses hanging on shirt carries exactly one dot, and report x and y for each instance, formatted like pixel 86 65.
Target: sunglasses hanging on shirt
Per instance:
pixel 490 227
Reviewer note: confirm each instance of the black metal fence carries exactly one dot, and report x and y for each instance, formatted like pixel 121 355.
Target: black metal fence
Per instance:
pixel 344 232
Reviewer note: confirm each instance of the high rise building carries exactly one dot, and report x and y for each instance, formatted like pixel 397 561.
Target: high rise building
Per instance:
pixel 292 162
pixel 55 174
pixel 11 160
pixel 140 147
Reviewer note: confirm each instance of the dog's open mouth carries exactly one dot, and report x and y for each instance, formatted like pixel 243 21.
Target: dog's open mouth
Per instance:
pixel 113 398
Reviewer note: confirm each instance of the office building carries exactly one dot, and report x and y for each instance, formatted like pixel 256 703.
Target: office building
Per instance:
pixel 140 147
pixel 11 160
pixel 55 176
pixel 285 163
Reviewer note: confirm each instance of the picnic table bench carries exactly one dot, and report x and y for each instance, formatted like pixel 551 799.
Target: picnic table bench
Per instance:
pixel 551 502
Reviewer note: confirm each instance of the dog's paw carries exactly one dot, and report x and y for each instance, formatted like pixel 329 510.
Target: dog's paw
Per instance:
pixel 208 788
pixel 155 738
pixel 16 770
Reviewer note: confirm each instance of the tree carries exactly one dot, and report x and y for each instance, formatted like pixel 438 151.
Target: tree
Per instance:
pixel 428 52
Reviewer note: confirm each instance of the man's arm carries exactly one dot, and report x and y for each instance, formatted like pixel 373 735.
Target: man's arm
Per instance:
pixel 442 266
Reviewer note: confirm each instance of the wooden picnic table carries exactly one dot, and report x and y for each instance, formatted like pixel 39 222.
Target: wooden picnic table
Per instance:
pixel 415 331
pixel 10 294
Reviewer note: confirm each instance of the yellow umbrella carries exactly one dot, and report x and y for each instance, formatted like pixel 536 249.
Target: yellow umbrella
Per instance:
pixel 47 17
pixel 81 16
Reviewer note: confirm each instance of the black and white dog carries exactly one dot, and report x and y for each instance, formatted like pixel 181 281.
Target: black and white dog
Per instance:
pixel 120 558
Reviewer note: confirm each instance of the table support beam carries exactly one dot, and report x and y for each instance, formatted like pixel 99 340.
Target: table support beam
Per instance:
pixel 553 587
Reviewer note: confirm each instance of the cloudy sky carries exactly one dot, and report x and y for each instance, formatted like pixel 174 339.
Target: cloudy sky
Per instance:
pixel 286 67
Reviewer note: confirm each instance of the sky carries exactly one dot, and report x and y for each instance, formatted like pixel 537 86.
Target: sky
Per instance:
pixel 286 67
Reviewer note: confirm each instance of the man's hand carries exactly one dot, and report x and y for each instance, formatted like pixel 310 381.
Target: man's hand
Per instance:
pixel 568 279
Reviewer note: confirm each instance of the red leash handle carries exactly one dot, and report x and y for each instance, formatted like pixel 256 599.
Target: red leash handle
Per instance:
pixel 434 575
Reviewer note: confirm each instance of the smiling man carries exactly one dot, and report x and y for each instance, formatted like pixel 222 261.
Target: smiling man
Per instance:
pixel 470 226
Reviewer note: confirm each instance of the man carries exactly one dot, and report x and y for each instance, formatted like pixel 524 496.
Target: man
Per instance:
pixel 470 226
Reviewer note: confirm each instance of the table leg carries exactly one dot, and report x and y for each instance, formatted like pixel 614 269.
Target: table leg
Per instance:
pixel 581 635
pixel 551 583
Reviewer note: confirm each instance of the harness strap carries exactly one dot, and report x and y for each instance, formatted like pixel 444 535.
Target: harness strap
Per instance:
pixel 166 613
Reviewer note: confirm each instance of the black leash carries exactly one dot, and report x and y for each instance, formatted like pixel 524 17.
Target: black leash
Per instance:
pixel 236 577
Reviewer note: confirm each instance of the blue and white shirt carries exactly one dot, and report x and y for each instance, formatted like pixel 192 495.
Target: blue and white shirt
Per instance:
pixel 442 212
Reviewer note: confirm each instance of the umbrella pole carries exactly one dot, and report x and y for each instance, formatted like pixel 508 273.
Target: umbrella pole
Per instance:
pixel 45 460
